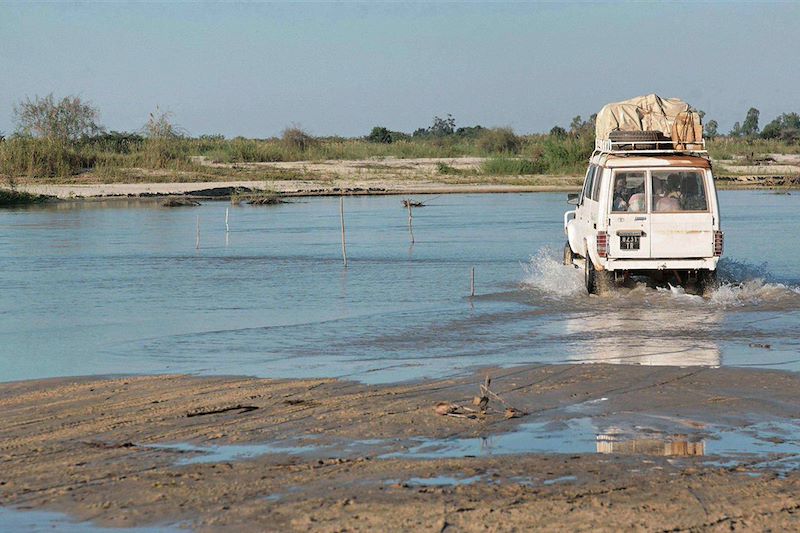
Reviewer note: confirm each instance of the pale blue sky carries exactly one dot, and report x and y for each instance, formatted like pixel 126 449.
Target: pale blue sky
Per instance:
pixel 341 68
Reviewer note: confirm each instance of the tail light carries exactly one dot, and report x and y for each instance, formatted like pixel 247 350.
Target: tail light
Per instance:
pixel 719 243
pixel 602 244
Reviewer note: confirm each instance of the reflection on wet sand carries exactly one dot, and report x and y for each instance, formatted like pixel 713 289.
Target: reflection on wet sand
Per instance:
pixel 644 335
pixel 617 442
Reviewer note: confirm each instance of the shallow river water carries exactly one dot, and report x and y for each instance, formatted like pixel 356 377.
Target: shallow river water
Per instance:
pixel 119 287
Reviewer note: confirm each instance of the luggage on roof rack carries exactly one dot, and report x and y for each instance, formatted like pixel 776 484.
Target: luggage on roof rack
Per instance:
pixel 649 123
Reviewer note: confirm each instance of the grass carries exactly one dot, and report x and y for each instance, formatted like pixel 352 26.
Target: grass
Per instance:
pixel 186 159
pixel 13 198
pixel 507 166
pixel 264 197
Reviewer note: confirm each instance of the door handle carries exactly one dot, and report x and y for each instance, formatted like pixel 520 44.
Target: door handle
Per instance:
pixel 638 219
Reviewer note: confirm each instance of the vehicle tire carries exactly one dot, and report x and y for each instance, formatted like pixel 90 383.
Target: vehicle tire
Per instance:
pixel 597 282
pixel 707 282
pixel 635 136
pixel 640 140
pixel 568 255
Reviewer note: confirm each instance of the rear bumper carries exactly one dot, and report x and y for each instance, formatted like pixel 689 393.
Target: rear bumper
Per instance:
pixel 705 263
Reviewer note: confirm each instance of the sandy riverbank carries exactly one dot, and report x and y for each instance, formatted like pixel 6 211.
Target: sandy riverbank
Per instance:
pixel 379 176
pixel 379 457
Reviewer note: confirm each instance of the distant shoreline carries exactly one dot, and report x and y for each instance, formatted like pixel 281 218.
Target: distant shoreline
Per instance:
pixel 221 189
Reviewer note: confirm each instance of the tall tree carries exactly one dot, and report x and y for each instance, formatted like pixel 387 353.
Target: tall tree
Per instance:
pixel 750 124
pixel 710 129
pixel 67 119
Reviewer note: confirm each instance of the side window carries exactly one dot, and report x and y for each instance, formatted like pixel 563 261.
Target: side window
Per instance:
pixel 678 191
pixel 587 185
pixel 598 180
pixel 629 195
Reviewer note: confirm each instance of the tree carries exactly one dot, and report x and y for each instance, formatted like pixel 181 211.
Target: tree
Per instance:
pixel 66 120
pixel 442 127
pixel 379 134
pixel 786 127
pixel 750 124
pixel 736 131
pixel 582 128
pixel 159 126
pixel 710 129
pixel 558 132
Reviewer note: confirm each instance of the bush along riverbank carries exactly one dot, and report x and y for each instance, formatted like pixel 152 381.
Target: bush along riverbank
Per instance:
pixel 14 198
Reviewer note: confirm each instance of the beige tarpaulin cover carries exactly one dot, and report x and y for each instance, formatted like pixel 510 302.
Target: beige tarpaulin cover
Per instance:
pixel 644 113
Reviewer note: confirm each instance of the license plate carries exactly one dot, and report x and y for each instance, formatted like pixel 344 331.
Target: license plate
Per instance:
pixel 629 242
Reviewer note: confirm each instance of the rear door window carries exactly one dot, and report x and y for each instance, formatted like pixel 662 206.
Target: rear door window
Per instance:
pixel 678 191
pixel 629 194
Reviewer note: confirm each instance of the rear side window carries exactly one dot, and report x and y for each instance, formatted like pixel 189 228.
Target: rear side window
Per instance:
pixel 587 185
pixel 629 195
pixel 678 191
pixel 598 178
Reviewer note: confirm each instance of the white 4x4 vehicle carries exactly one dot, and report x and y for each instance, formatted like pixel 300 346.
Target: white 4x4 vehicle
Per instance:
pixel 651 212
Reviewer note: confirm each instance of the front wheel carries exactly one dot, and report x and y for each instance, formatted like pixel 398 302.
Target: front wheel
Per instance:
pixel 568 255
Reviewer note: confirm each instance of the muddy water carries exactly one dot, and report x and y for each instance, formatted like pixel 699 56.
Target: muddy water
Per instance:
pixel 120 287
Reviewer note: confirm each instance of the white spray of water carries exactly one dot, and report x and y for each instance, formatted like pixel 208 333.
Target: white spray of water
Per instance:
pixel 747 284
pixel 546 272
pixel 741 284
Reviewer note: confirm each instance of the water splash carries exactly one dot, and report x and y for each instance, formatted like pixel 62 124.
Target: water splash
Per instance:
pixel 742 284
pixel 546 272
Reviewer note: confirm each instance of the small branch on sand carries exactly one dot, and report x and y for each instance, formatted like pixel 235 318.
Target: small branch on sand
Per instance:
pixel 241 408
pixel 481 403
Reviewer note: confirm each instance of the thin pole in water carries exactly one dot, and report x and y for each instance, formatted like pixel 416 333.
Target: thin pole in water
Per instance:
pixel 410 220
pixel 344 242
pixel 472 283
pixel 197 237
pixel 227 228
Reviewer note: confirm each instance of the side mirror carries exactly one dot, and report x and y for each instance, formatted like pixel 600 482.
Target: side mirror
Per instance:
pixel 572 198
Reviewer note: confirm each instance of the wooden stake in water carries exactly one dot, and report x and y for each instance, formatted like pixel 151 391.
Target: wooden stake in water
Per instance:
pixel 197 237
pixel 227 228
pixel 344 242
pixel 472 282
pixel 410 221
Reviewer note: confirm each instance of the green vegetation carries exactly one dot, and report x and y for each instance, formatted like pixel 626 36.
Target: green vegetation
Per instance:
pixel 506 166
pixel 265 197
pixel 14 198
pixel 60 140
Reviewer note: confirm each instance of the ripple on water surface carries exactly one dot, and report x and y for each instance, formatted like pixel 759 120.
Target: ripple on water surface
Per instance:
pixel 123 289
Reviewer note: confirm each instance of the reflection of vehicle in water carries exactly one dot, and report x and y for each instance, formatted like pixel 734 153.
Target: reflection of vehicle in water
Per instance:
pixel 646 335
pixel 646 208
pixel 616 441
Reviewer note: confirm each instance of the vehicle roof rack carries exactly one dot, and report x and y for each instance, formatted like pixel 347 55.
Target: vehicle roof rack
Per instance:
pixel 662 147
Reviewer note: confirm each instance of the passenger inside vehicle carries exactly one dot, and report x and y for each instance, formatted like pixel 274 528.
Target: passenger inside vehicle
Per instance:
pixel 693 198
pixel 664 199
pixel 674 192
pixel 628 192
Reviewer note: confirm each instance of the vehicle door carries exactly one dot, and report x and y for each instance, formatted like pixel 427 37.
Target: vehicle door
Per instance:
pixel 583 213
pixel 628 221
pixel 681 219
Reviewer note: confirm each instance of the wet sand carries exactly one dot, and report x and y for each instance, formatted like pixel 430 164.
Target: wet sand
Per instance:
pixel 98 450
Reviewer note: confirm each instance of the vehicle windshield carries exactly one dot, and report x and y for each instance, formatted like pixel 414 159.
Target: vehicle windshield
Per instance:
pixel 629 193
pixel 678 191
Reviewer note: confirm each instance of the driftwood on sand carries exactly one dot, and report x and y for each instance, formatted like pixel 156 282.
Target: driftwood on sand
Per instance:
pixel 480 405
